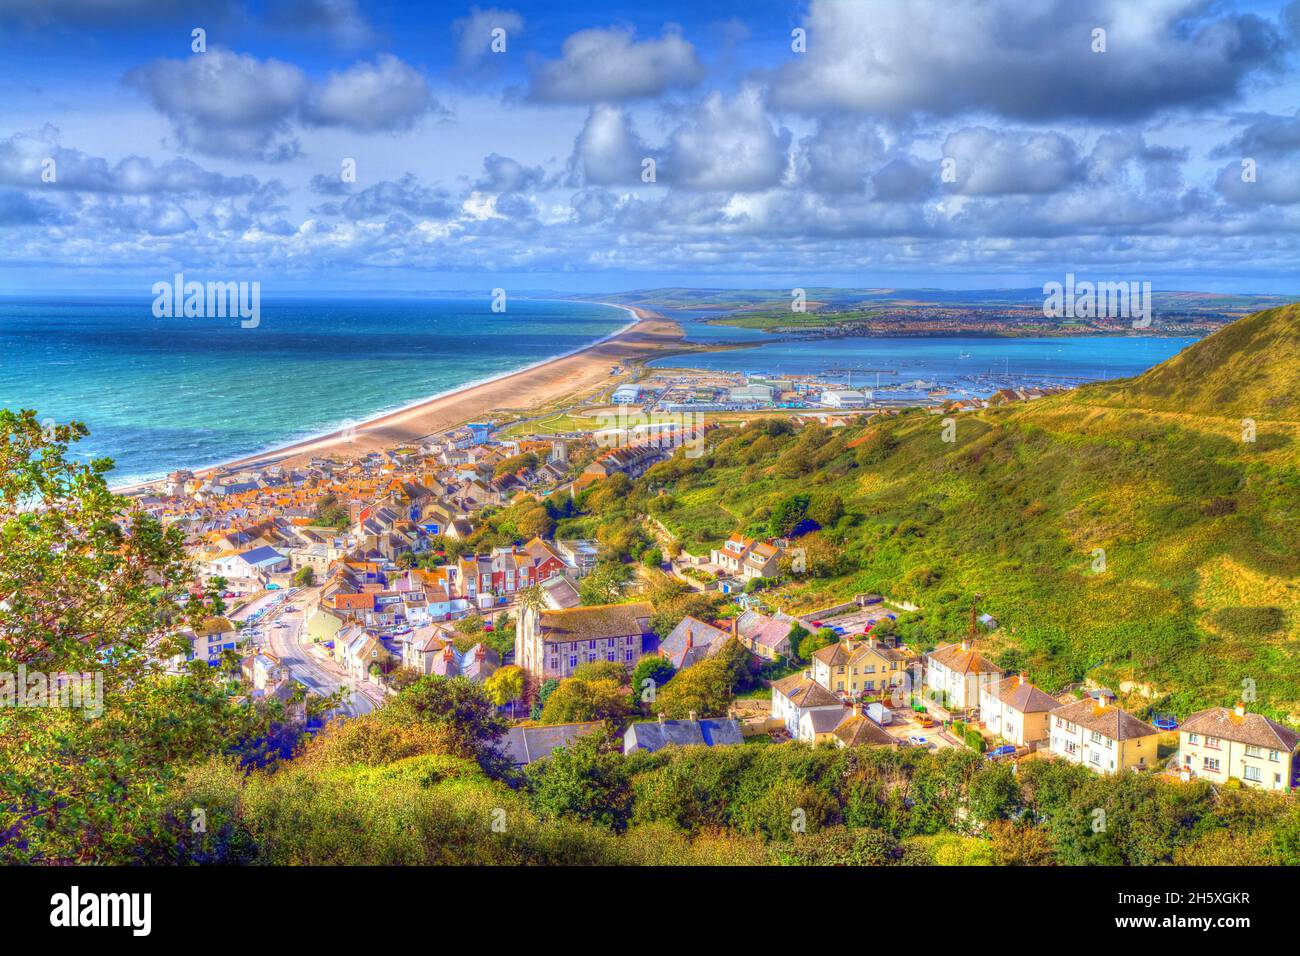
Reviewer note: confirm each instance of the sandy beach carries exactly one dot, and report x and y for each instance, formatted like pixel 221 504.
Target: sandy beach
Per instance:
pixel 529 389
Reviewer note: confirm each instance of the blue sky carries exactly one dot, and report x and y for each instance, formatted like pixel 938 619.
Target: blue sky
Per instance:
pixel 951 143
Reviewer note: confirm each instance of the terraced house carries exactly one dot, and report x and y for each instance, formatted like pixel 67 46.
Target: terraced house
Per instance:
pixel 1218 744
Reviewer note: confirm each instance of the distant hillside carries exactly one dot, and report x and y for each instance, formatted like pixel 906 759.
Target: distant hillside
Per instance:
pixel 1249 369
pixel 1114 535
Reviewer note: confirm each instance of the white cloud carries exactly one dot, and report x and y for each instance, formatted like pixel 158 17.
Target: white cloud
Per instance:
pixel 608 65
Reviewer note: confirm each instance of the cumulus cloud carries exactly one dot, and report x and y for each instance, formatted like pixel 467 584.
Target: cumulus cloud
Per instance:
pixel 729 144
pixel 608 150
pixel 387 94
pixel 501 174
pixel 1264 135
pixel 839 155
pixel 1274 183
pixel 474 33
pixel 904 180
pixel 608 65
pixel 228 104
pixel 405 195
pixel 947 57
pixel 223 103
pixel 990 162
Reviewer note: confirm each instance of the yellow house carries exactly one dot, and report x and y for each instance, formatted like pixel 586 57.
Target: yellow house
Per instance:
pixel 1219 743
pixel 861 668
pixel 1102 737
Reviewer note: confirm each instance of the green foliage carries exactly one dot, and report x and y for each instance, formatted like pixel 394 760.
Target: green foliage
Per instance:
pixel 88 586
pixel 587 780
pixel 577 700
pixel 810 644
pixel 304 577
pixel 604 585
pixel 653 668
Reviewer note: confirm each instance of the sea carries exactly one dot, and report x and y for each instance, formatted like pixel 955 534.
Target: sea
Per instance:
pixel 160 394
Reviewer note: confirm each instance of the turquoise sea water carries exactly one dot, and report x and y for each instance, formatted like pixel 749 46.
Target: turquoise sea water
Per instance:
pixel 159 394
pixel 978 365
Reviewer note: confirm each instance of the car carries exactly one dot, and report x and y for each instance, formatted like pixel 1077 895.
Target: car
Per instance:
pixel 1006 750
pixel 918 741
pixel 925 720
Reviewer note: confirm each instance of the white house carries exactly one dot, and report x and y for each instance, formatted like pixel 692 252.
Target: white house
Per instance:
pixel 797 696
pixel 955 673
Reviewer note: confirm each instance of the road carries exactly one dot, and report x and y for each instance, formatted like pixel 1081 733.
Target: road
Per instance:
pixel 321 675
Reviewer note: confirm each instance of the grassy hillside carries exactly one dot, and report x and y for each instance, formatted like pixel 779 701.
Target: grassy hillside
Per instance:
pixel 1249 369
pixel 1199 531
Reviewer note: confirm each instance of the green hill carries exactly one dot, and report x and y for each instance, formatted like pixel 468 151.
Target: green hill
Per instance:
pixel 1199 531
pixel 1249 369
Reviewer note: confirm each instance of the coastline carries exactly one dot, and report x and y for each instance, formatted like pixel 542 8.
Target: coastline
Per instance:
pixel 646 336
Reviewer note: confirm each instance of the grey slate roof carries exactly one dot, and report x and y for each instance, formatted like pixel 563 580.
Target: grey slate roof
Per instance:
pixel 523 745
pixel 653 735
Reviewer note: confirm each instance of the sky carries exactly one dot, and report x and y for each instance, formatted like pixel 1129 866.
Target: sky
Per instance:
pixel 328 146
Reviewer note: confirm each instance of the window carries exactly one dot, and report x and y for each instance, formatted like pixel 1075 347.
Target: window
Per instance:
pixel 1193 739
pixel 1096 737
pixel 1253 751
pixel 573 661
pixel 1212 764
pixel 1252 773
pixel 1212 743
pixel 1272 755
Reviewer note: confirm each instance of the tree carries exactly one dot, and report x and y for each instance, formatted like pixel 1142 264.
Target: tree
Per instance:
pixel 652 557
pixel 457 707
pixel 89 585
pixel 577 701
pixel 814 642
pixel 543 695
pixel 405 560
pixel 788 515
pixel 604 585
pixel 531 598
pixel 653 668
pixel 586 779
pixel 305 576
pixel 505 686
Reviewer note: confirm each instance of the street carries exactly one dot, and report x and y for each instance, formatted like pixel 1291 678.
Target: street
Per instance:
pixel 321 675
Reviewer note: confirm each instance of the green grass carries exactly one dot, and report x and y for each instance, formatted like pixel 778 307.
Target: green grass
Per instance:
pixel 1200 593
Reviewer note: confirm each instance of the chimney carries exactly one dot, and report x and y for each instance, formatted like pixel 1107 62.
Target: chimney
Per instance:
pixel 661 718
pixel 965 644
pixel 1240 709
pixel 1022 678
pixel 735 631
pixel 692 716
pixel 808 674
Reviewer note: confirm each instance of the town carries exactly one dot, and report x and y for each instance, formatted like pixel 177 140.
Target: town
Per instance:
pixel 345 579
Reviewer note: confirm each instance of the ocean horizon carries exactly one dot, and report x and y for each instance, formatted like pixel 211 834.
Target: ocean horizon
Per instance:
pixel 160 394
